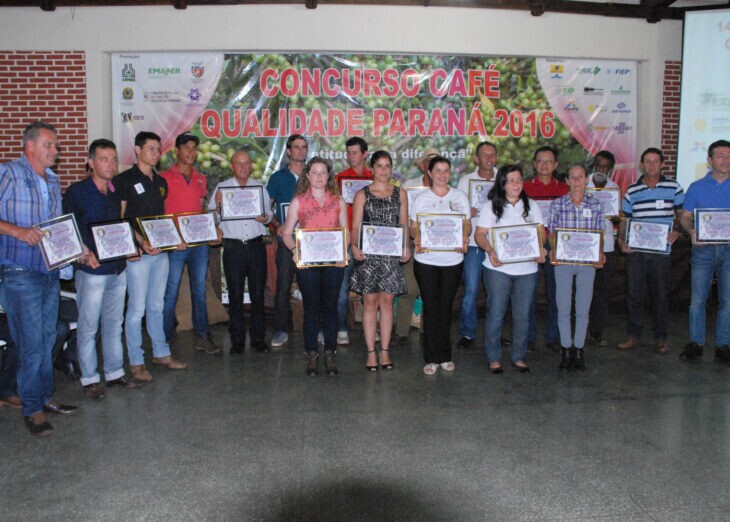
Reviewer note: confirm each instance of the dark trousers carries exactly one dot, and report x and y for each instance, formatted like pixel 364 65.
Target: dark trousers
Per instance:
pixel 654 269
pixel 438 285
pixel 284 278
pixel 241 261
pixel 320 287
pixel 599 304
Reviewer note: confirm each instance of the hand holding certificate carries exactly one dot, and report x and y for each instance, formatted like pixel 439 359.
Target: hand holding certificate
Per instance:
pixel 321 247
pixel 382 240
pixel 517 243
pixel 113 240
pixel 160 231
pixel 712 225
pixel 61 243
pixel 241 202
pixel 648 236
pixel 578 246
pixel 440 232
pixel 198 228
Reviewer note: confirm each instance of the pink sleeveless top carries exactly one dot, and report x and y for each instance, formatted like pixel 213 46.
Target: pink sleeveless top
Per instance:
pixel 312 215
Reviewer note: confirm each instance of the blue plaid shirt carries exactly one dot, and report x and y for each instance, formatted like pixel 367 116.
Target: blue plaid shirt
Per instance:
pixel 587 215
pixel 26 199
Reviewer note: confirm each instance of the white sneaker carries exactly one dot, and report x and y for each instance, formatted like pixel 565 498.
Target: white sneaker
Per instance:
pixel 430 368
pixel 279 339
pixel 448 366
pixel 343 338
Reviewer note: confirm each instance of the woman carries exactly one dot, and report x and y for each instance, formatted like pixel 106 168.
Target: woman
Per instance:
pixel 317 204
pixel 582 211
pixel 378 278
pixel 438 273
pixel 512 283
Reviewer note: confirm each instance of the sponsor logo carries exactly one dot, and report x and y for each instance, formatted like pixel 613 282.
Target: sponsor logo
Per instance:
pixel 556 76
pixel 571 107
pixel 128 73
pixel 566 89
pixel 589 70
pixel 557 68
pixel 161 97
pixel 127 93
pixel 622 128
pixel 597 128
pixel 197 69
pixel 128 117
pixel 621 109
pixel 194 95
pixel 593 91
pixel 620 91
pixel 620 72
pixel 163 72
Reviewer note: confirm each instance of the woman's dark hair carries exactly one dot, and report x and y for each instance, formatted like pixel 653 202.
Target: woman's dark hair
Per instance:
pixel 437 159
pixel 380 154
pixel 498 195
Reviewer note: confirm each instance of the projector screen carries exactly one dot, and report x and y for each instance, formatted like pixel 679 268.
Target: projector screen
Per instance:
pixel 704 114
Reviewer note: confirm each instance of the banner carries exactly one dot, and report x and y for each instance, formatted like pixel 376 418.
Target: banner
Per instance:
pixel 400 103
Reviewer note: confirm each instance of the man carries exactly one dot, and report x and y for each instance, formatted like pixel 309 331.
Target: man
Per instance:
pixel 603 164
pixel 142 193
pixel 186 193
pixel 712 191
pixel 543 188
pixel 244 257
pixel 100 287
pixel 280 189
pixel 30 194
pixel 652 197
pixel 357 153
pixel 486 158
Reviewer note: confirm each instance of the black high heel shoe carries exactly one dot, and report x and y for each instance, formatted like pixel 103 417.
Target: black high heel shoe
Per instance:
pixel 388 366
pixel 521 368
pixel 496 370
pixel 372 368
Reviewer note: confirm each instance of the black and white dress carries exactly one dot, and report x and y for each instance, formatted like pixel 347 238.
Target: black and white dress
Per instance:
pixel 380 273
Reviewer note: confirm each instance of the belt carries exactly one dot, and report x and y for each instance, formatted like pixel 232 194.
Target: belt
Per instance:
pixel 257 239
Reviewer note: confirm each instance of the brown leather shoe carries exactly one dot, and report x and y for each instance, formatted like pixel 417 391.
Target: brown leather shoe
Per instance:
pixel 13 401
pixel 628 344
pixel 169 363
pixel 661 347
pixel 140 372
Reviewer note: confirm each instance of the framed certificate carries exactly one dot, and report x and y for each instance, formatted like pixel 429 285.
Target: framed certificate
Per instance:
pixel 440 232
pixel 544 205
pixel 574 246
pixel 160 231
pixel 321 247
pixel 197 228
pixel 349 185
pixel 61 243
pixel 284 212
pixel 113 240
pixel 648 236
pixel 381 240
pixel 610 199
pixel 413 193
pixel 516 243
pixel 241 202
pixel 478 192
pixel 712 225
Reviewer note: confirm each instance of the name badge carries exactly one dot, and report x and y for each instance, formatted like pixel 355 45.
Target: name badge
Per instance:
pixel 139 188
pixel 659 204
pixel 587 213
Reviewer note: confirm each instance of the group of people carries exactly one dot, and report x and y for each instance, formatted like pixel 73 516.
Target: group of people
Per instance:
pixel 306 195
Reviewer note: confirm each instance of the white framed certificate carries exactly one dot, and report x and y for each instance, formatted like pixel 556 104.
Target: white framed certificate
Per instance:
pixel 113 240
pixel 349 185
pixel 544 205
pixel 441 232
pixel 160 231
pixel 479 192
pixel 382 240
pixel 712 225
pixel 320 247
pixel 197 228
pixel 648 236
pixel 517 243
pixel 241 202
pixel 574 246
pixel 61 243
pixel 609 198
pixel 413 193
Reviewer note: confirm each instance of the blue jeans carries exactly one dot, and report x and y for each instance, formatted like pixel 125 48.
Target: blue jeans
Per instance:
pixel 197 261
pixel 100 297
pixel 472 277
pixel 706 261
pixel 146 281
pixel 552 335
pixel 30 300
pixel 343 299
pixel 319 287
pixel 564 275
pixel 503 289
pixel 656 269
pixel 284 276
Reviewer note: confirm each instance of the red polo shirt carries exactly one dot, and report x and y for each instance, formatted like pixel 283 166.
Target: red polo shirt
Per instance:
pixel 184 195
pixel 536 189
pixel 352 173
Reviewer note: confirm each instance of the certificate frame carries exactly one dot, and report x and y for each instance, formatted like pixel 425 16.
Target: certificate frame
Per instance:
pixel 660 228
pixel 210 227
pixel 476 186
pixel 544 205
pixel 704 215
pixel 425 220
pixel 499 235
pixel 305 236
pixel 614 193
pixel 359 183
pixel 51 256
pixel 414 192
pixel 227 213
pixel 145 222
pixel 124 229
pixel 284 212
pixel 562 236
pixel 370 230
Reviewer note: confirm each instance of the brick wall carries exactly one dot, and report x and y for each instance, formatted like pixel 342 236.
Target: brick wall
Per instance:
pixel 670 115
pixel 48 86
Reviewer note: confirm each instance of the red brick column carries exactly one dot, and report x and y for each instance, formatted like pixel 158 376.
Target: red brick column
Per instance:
pixel 48 86
pixel 670 115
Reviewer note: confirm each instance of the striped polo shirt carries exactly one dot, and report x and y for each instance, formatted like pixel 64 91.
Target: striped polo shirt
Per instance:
pixel 657 204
